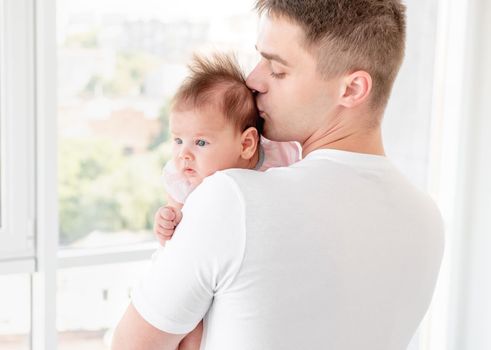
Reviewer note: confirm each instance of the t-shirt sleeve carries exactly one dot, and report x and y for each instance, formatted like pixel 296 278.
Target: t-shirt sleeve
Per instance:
pixel 201 260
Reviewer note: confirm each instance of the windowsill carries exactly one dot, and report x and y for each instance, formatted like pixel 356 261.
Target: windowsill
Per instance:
pixel 75 257
pixel 17 266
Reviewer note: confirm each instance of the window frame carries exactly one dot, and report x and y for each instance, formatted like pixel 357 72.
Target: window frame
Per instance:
pixel 17 101
pixel 2 126
pixel 43 280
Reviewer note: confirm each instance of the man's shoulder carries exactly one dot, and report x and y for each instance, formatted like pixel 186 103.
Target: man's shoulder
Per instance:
pixel 217 190
pixel 214 211
pixel 257 176
pixel 227 189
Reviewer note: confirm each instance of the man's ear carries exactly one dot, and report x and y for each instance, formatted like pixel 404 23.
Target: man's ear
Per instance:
pixel 356 88
pixel 249 140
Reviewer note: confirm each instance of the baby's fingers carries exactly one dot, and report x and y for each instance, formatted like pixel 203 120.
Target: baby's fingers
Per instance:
pixel 166 224
pixel 167 213
pixel 161 239
pixel 178 217
pixel 163 233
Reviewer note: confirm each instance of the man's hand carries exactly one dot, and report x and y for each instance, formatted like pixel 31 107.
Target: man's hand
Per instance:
pixel 165 221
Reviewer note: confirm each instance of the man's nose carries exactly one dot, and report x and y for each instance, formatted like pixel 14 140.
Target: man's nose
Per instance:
pixel 255 80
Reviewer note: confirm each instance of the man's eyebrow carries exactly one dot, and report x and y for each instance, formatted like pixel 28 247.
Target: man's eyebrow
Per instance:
pixel 273 57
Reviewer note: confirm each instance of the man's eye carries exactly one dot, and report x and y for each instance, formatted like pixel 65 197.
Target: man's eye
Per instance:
pixel 201 143
pixel 178 140
pixel 277 75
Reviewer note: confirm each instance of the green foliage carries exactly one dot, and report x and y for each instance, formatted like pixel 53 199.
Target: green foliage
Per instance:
pixel 128 78
pixel 86 40
pixel 93 86
pixel 101 189
pixel 163 135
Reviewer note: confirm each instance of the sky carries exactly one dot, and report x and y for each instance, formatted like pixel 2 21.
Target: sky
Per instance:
pixel 161 9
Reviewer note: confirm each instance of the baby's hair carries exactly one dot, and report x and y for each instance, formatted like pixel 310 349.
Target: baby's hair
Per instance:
pixel 217 81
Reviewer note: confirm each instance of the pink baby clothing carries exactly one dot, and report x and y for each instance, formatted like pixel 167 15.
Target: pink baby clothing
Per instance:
pixel 272 154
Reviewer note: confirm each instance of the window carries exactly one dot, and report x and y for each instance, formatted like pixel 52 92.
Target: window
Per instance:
pixel 2 128
pixel 16 132
pixel 15 318
pixel 88 312
pixel 118 66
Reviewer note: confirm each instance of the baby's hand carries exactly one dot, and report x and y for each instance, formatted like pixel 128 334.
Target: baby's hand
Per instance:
pixel 165 222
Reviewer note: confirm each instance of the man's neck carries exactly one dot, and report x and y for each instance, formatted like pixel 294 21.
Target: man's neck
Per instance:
pixel 364 141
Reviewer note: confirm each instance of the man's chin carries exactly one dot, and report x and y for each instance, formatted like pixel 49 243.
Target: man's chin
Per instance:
pixel 267 133
pixel 272 135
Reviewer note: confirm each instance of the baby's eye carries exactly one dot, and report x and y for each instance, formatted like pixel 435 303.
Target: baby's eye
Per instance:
pixel 178 140
pixel 201 143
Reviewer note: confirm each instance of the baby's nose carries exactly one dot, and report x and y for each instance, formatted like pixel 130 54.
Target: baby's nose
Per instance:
pixel 185 154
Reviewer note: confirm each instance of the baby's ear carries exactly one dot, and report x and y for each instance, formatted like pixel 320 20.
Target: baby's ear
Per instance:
pixel 249 140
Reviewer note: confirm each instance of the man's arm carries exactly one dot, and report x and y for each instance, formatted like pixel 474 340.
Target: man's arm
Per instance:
pixel 134 333
pixel 200 261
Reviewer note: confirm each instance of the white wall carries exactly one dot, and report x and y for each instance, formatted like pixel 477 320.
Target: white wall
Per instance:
pixel 474 328
pixel 407 120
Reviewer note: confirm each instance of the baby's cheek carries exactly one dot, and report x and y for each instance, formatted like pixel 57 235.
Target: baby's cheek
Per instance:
pixel 209 168
pixel 195 181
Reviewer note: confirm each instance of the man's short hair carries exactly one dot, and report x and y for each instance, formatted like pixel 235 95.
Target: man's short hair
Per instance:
pixel 350 35
pixel 217 81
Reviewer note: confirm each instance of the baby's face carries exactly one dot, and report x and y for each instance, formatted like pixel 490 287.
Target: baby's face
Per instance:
pixel 204 142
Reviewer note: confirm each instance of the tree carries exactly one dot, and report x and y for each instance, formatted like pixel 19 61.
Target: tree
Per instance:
pixel 86 40
pixel 163 135
pixel 100 189
pixel 128 77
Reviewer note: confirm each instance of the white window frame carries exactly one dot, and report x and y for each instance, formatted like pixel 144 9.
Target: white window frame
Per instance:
pixel 17 136
pixel 43 281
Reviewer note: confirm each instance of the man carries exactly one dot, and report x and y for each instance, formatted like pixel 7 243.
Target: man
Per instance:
pixel 338 251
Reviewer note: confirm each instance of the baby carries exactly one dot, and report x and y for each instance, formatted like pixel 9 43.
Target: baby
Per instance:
pixel 214 125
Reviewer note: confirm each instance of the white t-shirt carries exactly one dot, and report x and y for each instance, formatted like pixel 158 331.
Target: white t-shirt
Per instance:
pixel 338 251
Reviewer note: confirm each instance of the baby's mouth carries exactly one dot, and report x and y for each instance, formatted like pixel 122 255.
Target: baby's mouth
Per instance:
pixel 189 171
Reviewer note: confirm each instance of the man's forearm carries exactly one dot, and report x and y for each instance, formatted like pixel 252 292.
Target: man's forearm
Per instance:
pixel 192 341
pixel 134 333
